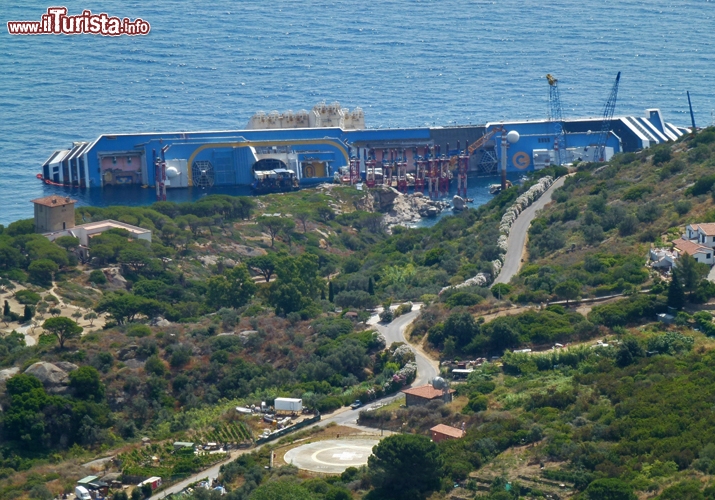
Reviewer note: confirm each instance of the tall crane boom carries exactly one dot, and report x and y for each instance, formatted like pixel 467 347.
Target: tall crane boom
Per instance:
pixel 556 116
pixel 608 110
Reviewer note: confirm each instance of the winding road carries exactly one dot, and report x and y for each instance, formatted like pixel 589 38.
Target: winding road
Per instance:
pixel 427 369
pixel 519 231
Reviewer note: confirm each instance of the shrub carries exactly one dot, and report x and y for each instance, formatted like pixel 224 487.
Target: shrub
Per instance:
pixel 626 311
pixel 699 154
pixel 155 365
pixel 332 327
pixel 628 225
pixel 180 356
pixel 27 297
pixel 701 186
pixel 477 403
pixel 351 265
pixel 671 343
pixel 138 330
pixel 636 192
pixel 97 277
pixel 593 234
pixel 386 316
pixel 706 136
pixel 662 155
pixel 355 298
pixel 403 309
pixel 649 212
pixel 682 207
pixel 463 299
pixel 328 404
pixel 501 290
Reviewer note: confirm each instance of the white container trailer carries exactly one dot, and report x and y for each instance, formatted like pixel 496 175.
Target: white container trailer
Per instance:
pixel 288 404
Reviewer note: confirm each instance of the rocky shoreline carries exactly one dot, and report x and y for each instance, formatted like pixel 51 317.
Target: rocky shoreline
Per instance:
pixel 401 209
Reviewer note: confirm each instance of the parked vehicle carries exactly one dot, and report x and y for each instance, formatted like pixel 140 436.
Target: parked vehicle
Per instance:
pixel 288 404
pixel 82 493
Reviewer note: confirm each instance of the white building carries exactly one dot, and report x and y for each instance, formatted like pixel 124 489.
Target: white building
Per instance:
pixel 663 258
pixel 84 232
pixel 703 234
pixel 699 252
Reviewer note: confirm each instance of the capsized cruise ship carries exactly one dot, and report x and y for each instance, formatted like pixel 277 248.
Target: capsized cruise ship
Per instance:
pixel 316 146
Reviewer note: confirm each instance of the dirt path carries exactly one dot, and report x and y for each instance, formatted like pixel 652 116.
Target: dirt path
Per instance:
pixel 32 330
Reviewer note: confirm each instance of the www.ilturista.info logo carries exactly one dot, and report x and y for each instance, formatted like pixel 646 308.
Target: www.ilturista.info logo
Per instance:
pixel 57 22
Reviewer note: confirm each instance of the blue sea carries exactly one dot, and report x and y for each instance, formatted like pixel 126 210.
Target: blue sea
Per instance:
pixel 406 63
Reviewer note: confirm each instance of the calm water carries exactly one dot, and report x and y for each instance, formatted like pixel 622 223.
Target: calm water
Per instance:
pixel 406 63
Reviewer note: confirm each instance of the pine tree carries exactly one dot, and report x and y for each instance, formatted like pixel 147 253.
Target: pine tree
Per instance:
pixel 331 294
pixel 6 309
pixel 371 286
pixel 676 294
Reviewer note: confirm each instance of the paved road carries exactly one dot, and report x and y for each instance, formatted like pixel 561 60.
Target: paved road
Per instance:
pixel 393 332
pixel 517 235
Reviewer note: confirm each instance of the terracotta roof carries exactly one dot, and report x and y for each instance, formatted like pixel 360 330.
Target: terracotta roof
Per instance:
pixel 691 248
pixel 448 430
pixel 53 201
pixel 425 391
pixel 708 228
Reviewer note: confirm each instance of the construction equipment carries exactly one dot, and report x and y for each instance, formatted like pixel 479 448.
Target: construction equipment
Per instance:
pixel 488 160
pixel 354 174
pixel 370 164
pixel 444 173
pixel 433 172
pixel 402 172
pixel 387 165
pixel 608 110
pixel 420 169
pixel 462 168
pixel 556 116
pixel 479 143
pixel 692 115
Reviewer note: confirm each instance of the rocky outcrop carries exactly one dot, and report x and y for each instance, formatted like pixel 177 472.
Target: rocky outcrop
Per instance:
pixel 208 260
pixel 241 250
pixel 66 366
pixel 8 373
pixel 115 278
pixel 52 376
pixel 409 209
pixel 127 352
pixel 134 364
pixel 384 197
pixel 458 203
pixel 159 321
